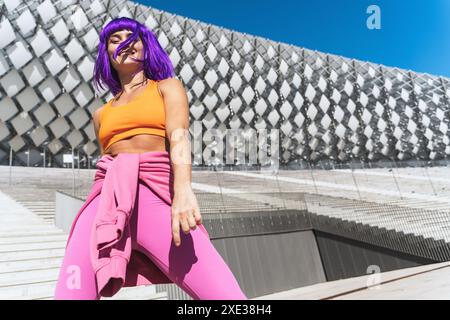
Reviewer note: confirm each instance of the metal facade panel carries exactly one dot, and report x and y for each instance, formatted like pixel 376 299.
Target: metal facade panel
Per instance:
pixel 322 108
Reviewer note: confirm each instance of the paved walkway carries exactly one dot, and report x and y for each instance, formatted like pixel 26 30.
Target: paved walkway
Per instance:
pixel 425 282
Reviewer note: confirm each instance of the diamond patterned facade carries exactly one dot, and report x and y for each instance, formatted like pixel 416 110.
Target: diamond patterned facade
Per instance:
pixel 325 107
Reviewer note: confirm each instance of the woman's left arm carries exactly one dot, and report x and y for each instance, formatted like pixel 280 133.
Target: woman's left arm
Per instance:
pixel 185 210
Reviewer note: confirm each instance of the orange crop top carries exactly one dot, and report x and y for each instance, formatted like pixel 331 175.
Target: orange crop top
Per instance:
pixel 144 114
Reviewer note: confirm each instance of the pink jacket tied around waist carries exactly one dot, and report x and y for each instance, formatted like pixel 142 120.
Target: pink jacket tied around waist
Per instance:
pixel 115 264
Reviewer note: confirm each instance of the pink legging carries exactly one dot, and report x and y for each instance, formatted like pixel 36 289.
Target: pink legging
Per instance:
pixel 195 265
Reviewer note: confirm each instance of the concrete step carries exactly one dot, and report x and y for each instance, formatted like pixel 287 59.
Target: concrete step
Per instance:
pixel 29 276
pixel 129 292
pixel 57 234
pixel 160 296
pixel 31 227
pixel 41 296
pixel 138 293
pixel 16 210
pixel 31 234
pixel 31 264
pixel 41 209
pixel 46 230
pixel 5 248
pixel 32 254
pixel 17 221
pixel 49 205
pixel 45 288
pixel 27 201
pixel 123 294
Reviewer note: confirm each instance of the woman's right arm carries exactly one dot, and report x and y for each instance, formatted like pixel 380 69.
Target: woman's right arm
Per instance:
pixel 95 117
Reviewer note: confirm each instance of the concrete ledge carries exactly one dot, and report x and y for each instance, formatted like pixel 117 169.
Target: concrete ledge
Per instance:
pixel 425 282
pixel 66 209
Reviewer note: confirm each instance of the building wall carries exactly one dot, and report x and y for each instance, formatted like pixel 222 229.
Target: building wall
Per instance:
pixel 345 258
pixel 264 264
pixel 318 106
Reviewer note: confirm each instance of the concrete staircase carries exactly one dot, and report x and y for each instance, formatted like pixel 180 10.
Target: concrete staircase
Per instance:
pixel 32 249
pixel 44 209
pixel 419 218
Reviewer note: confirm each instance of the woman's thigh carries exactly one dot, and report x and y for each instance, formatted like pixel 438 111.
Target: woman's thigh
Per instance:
pixel 195 265
pixel 76 277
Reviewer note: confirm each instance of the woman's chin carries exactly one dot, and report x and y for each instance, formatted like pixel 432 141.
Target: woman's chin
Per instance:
pixel 128 62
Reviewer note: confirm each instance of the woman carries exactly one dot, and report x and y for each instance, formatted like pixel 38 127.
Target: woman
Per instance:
pixel 128 232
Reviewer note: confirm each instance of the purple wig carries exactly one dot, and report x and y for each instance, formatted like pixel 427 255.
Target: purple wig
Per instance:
pixel 156 62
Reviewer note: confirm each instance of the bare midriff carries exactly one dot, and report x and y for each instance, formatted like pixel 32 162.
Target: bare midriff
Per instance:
pixel 139 143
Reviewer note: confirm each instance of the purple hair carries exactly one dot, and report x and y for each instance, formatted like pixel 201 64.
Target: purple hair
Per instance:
pixel 156 62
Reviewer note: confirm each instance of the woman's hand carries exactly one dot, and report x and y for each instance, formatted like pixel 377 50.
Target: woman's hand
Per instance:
pixel 185 211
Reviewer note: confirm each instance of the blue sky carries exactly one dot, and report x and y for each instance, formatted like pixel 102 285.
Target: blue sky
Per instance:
pixel 414 34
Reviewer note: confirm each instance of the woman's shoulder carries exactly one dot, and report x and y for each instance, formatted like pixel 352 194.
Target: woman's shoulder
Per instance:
pixel 169 85
pixel 169 81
